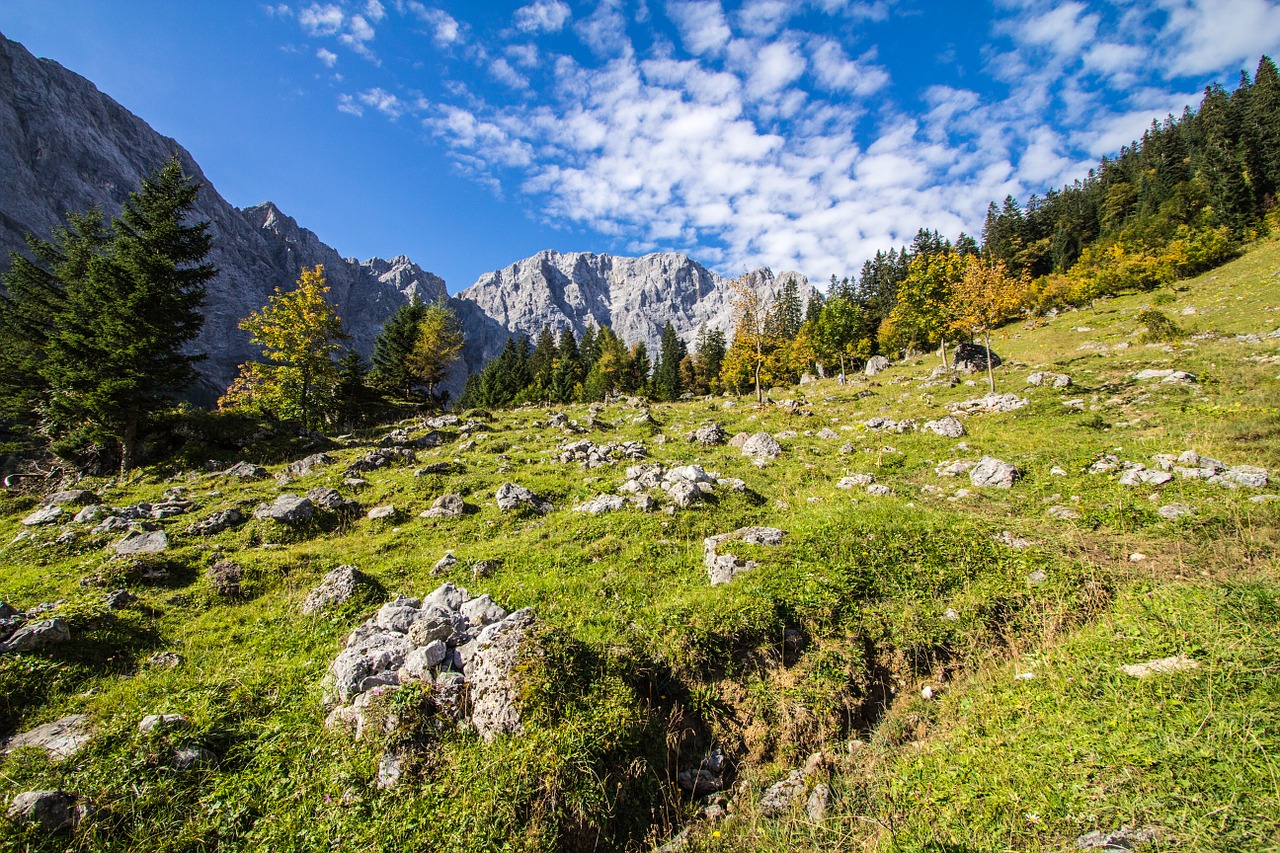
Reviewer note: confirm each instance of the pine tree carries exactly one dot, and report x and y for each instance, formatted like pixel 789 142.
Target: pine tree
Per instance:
pixel 666 374
pixel 393 347
pixel 116 353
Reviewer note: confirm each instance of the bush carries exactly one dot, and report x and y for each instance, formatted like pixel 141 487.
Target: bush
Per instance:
pixel 1159 327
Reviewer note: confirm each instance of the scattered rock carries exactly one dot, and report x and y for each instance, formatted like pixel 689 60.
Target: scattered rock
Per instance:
pixel 602 504
pixel 819 802
pixel 225 578
pixel 513 497
pixel 166 660
pixel 778 800
pixel 44 515
pixel 332 500
pixel 338 587
pixel 1045 378
pixel 446 506
pixel 158 724
pixel 709 435
pixel 287 509
pixel 889 425
pixel 383 513
pixel 490 675
pixel 1017 543
pixel 875 365
pixel 1063 513
pixel 992 403
pixel 51 811
pixel 71 497
pixel 1123 839
pixel 1140 475
pixel 948 427
pixel 855 480
pixel 879 491
pixel 761 445
pixel 119 599
pixel 722 568
pixel 1178 663
pixel 1168 377
pixel 1037 578
pixel 955 468
pixel 308 464
pixel 245 471
pixel 138 542
pixel 1248 476
pixel 190 758
pixel 445 563
pixel 35 636
pixel 993 473
pixel 1172 511
pixel 217 522
pixel 61 739
pixel 970 357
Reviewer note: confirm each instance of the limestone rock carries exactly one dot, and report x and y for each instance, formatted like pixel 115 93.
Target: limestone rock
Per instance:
pixel 761 445
pixel 61 738
pixel 191 758
pixel 709 435
pixel 1046 378
pixel 876 364
pixel 446 506
pixel 601 504
pixel 383 513
pixel 777 801
pixel 217 522
pixel 308 464
pixel 1063 513
pixel 948 427
pixel 337 587
pixel 71 497
pixel 332 500
pixel 45 515
pixel 225 578
pixel 138 542
pixel 51 811
pixel 993 473
pixel 35 636
pixel 491 675
pixel 287 509
pixel 245 471
pixel 512 497
pixel 969 357
pixel 722 568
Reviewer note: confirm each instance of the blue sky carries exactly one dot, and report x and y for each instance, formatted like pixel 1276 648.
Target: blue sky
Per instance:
pixel 795 134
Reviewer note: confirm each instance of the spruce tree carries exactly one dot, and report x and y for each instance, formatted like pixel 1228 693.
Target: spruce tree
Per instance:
pixel 116 352
pixel 666 374
pixel 392 350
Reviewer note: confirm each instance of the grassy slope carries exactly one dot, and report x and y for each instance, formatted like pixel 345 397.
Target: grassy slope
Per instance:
pixel 646 666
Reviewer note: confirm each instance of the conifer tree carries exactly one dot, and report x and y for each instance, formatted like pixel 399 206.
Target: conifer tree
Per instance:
pixel 666 374
pixel 393 348
pixel 116 350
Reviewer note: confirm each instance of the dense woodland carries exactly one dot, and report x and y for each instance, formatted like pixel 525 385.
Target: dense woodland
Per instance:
pixel 94 323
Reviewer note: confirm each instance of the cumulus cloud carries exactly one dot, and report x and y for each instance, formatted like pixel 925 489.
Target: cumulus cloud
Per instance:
pixel 384 102
pixel 545 16
pixel 702 25
pixel 445 29
pixel 317 20
pixel 1210 34
pixel 328 57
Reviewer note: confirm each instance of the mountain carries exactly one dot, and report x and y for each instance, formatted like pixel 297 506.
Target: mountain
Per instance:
pixel 68 147
pixel 634 296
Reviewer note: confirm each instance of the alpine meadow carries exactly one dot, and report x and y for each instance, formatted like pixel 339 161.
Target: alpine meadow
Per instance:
pixel 964 540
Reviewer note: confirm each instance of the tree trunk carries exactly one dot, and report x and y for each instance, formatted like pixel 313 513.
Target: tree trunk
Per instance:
pixel 991 376
pixel 944 351
pixel 128 445
pixel 759 394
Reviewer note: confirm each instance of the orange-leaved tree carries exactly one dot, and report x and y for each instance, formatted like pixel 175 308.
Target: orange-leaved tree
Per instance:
pixel 299 333
pixel 984 297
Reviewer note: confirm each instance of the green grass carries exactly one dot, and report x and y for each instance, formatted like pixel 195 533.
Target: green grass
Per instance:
pixel 642 666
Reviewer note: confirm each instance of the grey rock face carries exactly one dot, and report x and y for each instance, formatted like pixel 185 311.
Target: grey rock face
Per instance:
pixel 993 473
pixel 490 673
pixel 876 364
pixel 61 739
pixel 73 147
pixel 634 296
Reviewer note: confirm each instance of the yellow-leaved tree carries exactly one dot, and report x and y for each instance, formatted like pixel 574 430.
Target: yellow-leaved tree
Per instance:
pixel 984 297
pixel 299 333
pixel 437 346
pixel 752 340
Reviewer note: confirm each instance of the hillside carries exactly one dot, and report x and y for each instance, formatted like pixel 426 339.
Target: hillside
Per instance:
pixel 923 662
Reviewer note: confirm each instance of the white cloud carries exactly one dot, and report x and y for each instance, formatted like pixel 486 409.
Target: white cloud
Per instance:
pixel 445 29
pixel 503 72
pixel 766 17
pixel 384 102
pixel 702 25
pixel 328 57
pixel 524 55
pixel 1064 29
pixel 358 35
pixel 1213 34
pixel 374 11
pixel 837 73
pixel 544 16
pixel 319 20
pixel 348 105
pixel 605 31
pixel 279 10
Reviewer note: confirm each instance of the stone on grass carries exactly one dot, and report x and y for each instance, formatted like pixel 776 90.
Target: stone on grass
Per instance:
pixel 62 738
pixel 383 513
pixel 119 599
pixel 709 435
pixel 44 515
pixel 993 473
pixel 819 801
pixel 158 724
pixel 778 800
pixel 879 491
pixel 35 636
pixel 287 509
pixel 332 499
pixel 1172 511
pixel 445 506
pixel 601 504
pixel 245 471
pixel 72 497
pixel 1177 663
pixel 948 427
pixel 1249 476
pixel 308 464
pixel 445 563
pixel 139 542
pixel 876 364
pixel 761 445
pixel 722 568
pixel 1063 513
pixel 51 811
pixel 1045 378
pixel 194 758
pixel 225 577
pixel 513 497
pixel 217 522
pixel 855 480
pixel 338 587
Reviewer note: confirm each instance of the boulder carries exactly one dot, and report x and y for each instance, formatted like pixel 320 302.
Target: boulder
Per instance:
pixel 1043 378
pixel 855 480
pixel 1163 666
pixel 71 497
pixel 50 811
pixel 245 471
pixel 1248 476
pixel 332 500
pixel 601 504
pixel 34 636
pixel 383 513
pixel 709 435
pixel 778 800
pixel 760 446
pixel 993 473
pixel 1172 511
pixel 225 578
pixel 948 427
pixel 139 542
pixel 446 506
pixel 876 364
pixel 491 674
pixel 512 497
pixel 308 464
pixel 217 522
pixel 45 515
pixel 158 724
pixel 338 587
pixel 62 738
pixel 287 509
pixel 970 357
pixel 372 660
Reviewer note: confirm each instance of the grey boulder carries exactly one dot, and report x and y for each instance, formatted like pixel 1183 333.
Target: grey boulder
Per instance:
pixel 993 473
